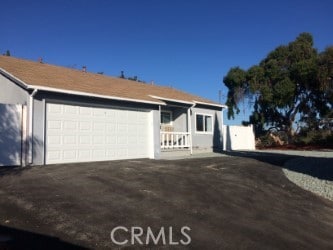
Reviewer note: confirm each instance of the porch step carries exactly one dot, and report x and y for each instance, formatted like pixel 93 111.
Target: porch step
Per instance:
pixel 174 153
pixel 175 150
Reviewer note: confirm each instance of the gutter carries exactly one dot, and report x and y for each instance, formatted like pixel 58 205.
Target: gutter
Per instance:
pixel 170 99
pixel 211 104
pixel 80 93
pixel 30 132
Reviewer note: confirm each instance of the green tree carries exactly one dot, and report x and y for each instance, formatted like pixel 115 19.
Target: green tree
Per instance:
pixel 290 83
pixel 7 53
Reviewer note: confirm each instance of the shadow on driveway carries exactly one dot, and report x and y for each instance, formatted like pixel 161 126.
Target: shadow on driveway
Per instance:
pixel 319 167
pixel 11 238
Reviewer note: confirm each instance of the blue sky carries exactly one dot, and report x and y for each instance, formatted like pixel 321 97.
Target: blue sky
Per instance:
pixel 189 45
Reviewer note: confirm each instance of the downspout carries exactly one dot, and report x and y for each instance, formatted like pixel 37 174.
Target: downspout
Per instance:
pixel 30 135
pixel 189 129
pixel 159 111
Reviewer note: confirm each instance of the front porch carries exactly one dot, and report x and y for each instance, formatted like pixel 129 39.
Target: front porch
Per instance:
pixel 187 128
pixel 175 128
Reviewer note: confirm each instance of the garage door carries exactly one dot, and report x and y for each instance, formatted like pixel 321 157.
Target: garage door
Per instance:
pixel 80 134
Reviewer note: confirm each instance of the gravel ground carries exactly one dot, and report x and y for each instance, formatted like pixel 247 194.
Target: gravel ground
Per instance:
pixel 321 187
pixel 312 173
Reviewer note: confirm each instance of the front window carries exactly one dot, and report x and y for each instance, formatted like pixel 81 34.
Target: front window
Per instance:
pixel 204 123
pixel 166 117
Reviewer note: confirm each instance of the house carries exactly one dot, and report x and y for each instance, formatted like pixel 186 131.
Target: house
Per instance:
pixel 70 115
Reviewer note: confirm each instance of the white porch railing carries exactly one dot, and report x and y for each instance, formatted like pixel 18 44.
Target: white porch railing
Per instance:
pixel 170 140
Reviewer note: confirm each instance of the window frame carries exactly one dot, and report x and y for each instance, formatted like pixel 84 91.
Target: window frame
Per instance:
pixel 171 118
pixel 203 121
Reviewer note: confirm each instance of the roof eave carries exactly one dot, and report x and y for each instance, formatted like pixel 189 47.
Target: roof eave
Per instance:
pixel 211 104
pixel 80 93
pixel 171 100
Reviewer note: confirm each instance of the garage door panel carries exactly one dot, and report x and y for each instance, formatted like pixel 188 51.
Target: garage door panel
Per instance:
pixel 132 140
pixel 85 125
pixel 84 154
pixel 55 109
pixel 111 140
pixel 54 139
pixel 69 154
pixel 69 139
pixel 121 153
pixel 78 134
pixel 98 139
pixel 70 125
pixel 85 111
pixel 122 140
pixel 70 109
pixel 98 154
pixel 122 115
pixel 111 128
pixel 54 155
pixel 99 126
pixel 111 154
pixel 85 139
pixel 54 124
pixel 111 114
pixel 98 112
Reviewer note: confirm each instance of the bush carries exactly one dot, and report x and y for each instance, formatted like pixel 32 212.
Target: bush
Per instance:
pixel 267 140
pixel 322 138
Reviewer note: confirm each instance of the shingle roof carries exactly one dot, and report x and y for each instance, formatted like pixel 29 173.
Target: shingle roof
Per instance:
pixel 56 77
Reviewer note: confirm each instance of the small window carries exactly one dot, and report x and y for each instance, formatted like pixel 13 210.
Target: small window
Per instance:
pixel 204 123
pixel 166 117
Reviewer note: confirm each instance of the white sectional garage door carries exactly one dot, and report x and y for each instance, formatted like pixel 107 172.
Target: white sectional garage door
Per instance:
pixel 81 133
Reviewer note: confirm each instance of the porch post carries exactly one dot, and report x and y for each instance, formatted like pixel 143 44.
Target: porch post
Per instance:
pixel 30 127
pixel 189 127
pixel 159 130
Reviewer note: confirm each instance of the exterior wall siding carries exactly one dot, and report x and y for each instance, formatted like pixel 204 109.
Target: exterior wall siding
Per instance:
pixel 156 120
pixel 207 141
pixel 38 131
pixel 179 118
pixel 11 93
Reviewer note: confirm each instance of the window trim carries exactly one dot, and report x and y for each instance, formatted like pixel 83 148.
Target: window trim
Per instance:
pixel 203 132
pixel 171 118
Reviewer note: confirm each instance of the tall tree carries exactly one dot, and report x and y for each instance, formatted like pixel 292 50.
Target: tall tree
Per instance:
pixel 7 53
pixel 286 85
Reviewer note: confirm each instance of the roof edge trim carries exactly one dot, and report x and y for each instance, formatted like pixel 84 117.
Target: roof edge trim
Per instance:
pixel 170 99
pixel 211 104
pixel 80 93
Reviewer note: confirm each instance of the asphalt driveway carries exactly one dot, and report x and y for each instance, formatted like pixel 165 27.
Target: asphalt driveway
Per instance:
pixel 227 202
